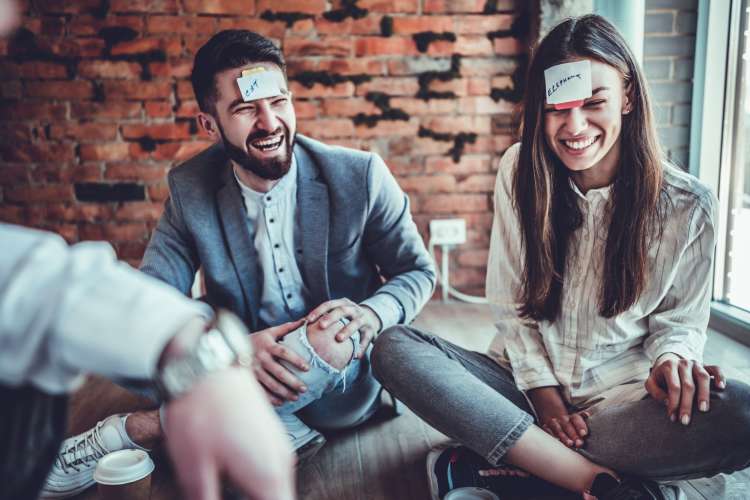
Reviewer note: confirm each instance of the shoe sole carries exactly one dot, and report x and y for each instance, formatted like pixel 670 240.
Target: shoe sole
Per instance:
pixel 307 454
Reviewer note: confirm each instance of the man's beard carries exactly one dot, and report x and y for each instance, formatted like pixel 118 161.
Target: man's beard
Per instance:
pixel 270 169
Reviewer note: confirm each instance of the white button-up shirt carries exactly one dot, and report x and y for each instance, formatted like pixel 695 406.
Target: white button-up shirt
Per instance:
pixel 589 356
pixel 271 220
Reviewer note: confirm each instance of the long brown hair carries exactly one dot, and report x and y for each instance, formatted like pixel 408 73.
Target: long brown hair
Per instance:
pixel 546 204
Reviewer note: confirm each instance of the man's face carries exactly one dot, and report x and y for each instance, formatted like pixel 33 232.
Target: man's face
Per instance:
pixel 258 135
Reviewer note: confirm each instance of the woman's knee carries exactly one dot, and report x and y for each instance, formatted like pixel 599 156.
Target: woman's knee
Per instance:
pixel 392 348
pixel 735 401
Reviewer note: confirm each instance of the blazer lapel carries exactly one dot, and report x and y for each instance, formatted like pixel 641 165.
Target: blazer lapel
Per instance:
pixel 241 246
pixel 312 203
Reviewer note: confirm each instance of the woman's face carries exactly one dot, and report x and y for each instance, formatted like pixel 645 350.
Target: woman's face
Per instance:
pixel 588 136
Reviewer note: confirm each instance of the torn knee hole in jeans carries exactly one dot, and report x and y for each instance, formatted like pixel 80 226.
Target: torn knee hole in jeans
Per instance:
pixel 316 360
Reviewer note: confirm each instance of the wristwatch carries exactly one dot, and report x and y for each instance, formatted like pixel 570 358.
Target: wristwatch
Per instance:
pixel 225 344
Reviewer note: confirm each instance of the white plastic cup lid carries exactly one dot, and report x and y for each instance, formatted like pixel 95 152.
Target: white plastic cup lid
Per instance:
pixel 470 493
pixel 122 467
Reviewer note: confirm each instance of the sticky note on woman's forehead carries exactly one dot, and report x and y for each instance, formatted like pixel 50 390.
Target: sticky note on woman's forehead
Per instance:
pixel 568 84
pixel 259 83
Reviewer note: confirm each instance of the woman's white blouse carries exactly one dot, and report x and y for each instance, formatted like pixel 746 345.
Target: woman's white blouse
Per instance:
pixel 584 353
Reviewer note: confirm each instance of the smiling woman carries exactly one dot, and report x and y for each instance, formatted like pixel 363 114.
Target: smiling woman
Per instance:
pixel 599 277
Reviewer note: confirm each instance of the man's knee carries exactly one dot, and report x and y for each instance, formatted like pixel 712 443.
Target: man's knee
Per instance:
pixel 335 353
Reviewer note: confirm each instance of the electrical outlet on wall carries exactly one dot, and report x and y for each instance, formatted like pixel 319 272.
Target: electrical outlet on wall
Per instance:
pixel 447 231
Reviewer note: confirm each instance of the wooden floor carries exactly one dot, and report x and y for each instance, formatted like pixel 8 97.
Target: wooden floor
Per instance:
pixel 384 459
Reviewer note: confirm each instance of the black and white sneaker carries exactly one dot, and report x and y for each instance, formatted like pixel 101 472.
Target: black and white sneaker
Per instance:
pixel 606 487
pixel 453 466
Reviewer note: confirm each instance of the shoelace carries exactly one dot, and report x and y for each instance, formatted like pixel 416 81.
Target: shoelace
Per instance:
pixel 87 447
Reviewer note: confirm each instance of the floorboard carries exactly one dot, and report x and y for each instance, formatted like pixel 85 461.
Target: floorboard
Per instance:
pixel 384 459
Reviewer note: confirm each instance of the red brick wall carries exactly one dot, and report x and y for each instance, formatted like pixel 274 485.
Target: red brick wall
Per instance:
pixel 97 106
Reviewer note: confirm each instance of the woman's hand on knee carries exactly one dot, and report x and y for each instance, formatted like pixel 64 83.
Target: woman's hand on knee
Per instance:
pixel 569 428
pixel 679 382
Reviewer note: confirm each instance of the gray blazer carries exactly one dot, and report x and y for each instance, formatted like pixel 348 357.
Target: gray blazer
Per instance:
pixel 358 237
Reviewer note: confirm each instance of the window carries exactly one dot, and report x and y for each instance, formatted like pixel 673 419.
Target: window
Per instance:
pixel 720 152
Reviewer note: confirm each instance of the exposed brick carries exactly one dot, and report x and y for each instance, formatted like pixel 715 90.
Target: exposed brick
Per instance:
pixel 414 106
pixel 428 183
pixel 68 90
pixel 158 109
pixel 181 24
pixel 112 110
pixel 483 105
pixel 370 46
pixel 138 46
pixel 668 45
pixel 88 25
pixel 462 123
pixel 416 65
pixel 111 151
pixel 40 194
pixel 29 110
pixel 478 183
pixel 161 131
pixel 391 86
pixel 135 171
pixel 473 45
pixel 467 165
pixel 42 70
pixel 408 25
pixel 11 90
pixel 130 90
pixel 325 128
pixel 488 66
pixel 473 258
pixel 306 7
pixel 13 174
pixel 658 69
pixel 454 203
pixel 33 152
pixel 270 29
pixel 66 7
pixel 345 107
pixel 344 89
pixel 302 28
pixel 147 6
pixel 390 128
pixel 139 211
pixel 659 22
pixel 83 132
pixel 508 46
pixel 244 7
pixel 459 86
pixel 327 46
pixel 109 69
pixel 158 191
pixel 390 6
pixel 481 25
pixel 478 86
pixel 453 6
pixel 189 109
pixel 672 91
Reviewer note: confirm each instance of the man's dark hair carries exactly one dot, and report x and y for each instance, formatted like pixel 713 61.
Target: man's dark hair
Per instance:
pixel 225 50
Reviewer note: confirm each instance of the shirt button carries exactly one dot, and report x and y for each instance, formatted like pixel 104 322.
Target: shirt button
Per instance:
pixel 268 198
pixel 270 221
pixel 281 269
pixel 288 295
pixel 276 245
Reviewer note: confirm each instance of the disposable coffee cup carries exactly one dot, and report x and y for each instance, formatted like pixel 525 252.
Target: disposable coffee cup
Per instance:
pixel 470 493
pixel 124 475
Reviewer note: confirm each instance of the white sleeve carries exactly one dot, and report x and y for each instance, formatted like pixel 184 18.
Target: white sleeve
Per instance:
pixel 69 310
pixel 519 339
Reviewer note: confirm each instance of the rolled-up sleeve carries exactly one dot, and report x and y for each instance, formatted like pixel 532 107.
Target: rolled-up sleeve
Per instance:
pixel 516 338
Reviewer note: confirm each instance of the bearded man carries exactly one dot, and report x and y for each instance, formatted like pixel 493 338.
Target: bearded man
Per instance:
pixel 313 246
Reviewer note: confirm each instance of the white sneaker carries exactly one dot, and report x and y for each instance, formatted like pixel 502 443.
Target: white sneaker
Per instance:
pixel 73 470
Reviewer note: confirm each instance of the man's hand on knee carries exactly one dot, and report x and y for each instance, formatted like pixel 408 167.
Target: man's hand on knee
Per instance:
pixel 324 343
pixel 360 318
pixel 280 384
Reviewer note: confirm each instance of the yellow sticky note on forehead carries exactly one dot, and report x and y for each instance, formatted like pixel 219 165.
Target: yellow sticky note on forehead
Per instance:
pixel 260 83
pixel 250 71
